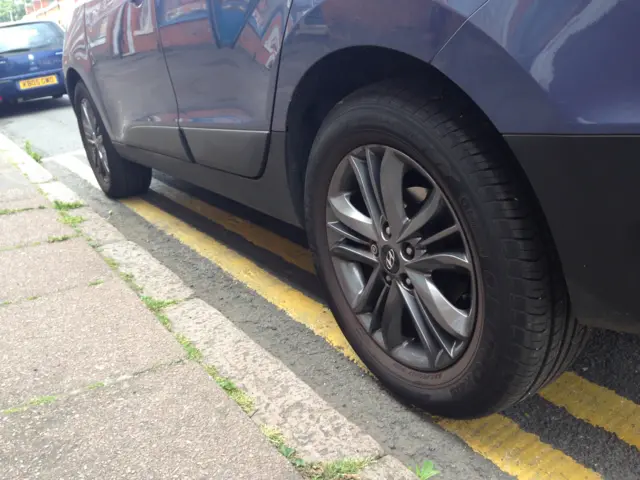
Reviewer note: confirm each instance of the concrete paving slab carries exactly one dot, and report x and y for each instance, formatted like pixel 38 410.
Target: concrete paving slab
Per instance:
pixel 16 191
pixel 155 279
pixel 169 424
pixel 71 339
pixel 100 231
pixel 58 191
pixel 10 177
pixel 317 431
pixel 30 227
pixel 31 202
pixel 12 153
pixel 387 468
pixel 47 268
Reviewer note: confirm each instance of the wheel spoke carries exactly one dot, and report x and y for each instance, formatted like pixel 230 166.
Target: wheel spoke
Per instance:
pixel 391 321
pixel 367 190
pixel 439 236
pixel 87 116
pixel 417 317
pixel 373 165
pixel 391 174
pixel 453 320
pixel 365 300
pixel 343 231
pixel 440 261
pixel 431 206
pixel 350 253
pixel 445 341
pixel 351 216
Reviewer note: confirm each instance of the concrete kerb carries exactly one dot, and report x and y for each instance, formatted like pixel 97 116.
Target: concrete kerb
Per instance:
pixel 282 402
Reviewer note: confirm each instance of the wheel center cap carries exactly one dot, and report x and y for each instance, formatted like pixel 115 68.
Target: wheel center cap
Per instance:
pixel 390 259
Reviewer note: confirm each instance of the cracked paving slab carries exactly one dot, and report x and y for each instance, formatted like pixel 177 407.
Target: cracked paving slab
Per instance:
pixel 171 423
pixel 71 339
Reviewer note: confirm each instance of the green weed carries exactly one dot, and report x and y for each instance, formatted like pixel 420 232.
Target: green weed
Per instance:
pixel 426 470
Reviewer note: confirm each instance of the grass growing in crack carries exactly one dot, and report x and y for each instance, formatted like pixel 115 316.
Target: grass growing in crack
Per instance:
pixel 237 395
pixel 29 149
pixel 95 283
pixel 426 470
pixel 164 320
pixel 192 351
pixel 129 279
pixel 71 220
pixel 95 385
pixel 156 305
pixel 34 297
pixel 276 438
pixel 34 402
pixel 61 238
pixel 111 262
pixel 66 206
pixel 346 468
pixel 11 211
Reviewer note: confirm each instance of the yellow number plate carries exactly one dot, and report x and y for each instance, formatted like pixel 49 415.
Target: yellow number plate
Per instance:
pixel 38 82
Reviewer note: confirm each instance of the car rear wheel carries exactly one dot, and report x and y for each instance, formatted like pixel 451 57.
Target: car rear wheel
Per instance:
pixel 436 262
pixel 116 176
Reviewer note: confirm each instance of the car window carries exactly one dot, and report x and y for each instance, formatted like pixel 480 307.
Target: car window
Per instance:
pixel 30 36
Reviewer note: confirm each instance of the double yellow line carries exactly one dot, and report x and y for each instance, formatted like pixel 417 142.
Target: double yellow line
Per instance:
pixel 497 438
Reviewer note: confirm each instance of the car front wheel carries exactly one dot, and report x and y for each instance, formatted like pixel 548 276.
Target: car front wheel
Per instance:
pixel 116 176
pixel 435 258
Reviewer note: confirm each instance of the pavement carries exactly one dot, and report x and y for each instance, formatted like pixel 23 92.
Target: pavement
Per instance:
pixel 257 275
pixel 104 373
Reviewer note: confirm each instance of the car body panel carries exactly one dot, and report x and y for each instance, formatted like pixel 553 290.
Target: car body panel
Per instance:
pixel 543 61
pixel 316 28
pixel 560 67
pixel 18 66
pixel 131 76
pixel 222 58
pixel 268 194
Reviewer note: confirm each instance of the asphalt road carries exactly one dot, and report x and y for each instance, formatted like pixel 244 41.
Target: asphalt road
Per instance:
pixel 585 426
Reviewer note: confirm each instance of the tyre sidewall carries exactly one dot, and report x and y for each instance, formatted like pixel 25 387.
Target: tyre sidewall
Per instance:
pixel 81 92
pixel 478 375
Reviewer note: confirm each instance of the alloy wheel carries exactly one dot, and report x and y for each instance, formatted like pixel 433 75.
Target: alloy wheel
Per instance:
pixel 94 137
pixel 401 257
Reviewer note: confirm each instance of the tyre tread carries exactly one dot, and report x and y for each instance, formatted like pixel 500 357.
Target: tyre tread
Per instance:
pixel 546 337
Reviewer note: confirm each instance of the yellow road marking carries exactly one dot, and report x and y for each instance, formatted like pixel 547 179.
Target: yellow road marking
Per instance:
pixel 297 305
pixel 516 452
pixel 596 405
pixel 497 438
pixel 289 251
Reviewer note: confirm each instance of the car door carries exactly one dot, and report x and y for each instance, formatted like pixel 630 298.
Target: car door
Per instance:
pixel 222 57
pixel 131 75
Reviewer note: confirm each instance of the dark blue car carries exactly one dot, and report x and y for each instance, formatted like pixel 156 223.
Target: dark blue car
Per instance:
pixel 466 170
pixel 30 61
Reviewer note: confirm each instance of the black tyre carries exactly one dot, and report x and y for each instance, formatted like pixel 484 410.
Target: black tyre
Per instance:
pixel 438 266
pixel 117 177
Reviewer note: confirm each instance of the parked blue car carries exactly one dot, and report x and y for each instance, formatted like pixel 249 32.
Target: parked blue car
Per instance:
pixel 30 61
pixel 465 170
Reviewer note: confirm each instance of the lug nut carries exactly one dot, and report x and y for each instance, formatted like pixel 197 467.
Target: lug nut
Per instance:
pixel 387 278
pixel 408 251
pixel 407 282
pixel 387 231
pixel 374 249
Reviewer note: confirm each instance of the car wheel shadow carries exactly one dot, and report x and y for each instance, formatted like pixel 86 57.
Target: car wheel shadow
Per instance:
pixel 33 106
